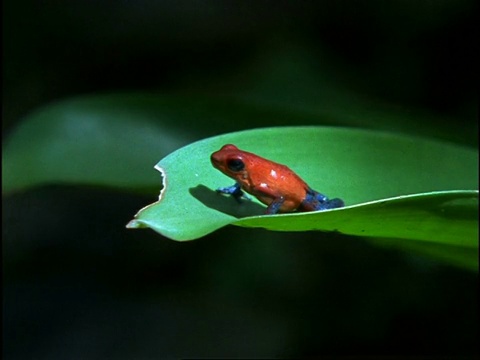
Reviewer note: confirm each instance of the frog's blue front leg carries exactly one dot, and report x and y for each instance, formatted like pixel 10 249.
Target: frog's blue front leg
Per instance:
pixel 234 190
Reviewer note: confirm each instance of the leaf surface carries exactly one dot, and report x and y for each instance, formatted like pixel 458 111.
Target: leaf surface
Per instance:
pixel 398 188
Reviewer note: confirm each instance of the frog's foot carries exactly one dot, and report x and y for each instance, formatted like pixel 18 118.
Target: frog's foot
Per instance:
pixel 330 204
pixel 235 191
pixel 316 201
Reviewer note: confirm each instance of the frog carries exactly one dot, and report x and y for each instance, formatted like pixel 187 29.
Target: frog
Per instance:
pixel 273 184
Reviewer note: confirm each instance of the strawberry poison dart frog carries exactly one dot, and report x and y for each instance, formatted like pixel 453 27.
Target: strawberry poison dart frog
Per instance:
pixel 273 184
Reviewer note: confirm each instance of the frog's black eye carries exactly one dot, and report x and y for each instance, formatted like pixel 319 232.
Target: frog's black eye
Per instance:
pixel 235 165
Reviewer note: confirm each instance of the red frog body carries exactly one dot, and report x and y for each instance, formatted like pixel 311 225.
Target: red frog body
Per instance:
pixel 273 184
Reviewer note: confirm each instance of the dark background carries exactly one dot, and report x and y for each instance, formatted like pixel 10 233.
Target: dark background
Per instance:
pixel 77 284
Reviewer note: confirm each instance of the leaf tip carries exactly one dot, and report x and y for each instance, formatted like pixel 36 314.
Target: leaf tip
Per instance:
pixel 135 224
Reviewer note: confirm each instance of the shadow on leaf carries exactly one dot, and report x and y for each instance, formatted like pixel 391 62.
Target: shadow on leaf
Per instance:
pixel 226 204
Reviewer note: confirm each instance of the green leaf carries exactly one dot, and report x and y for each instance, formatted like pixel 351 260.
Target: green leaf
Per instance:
pixel 395 187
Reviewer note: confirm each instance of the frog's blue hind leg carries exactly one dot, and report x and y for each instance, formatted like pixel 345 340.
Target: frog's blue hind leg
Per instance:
pixel 320 197
pixel 275 206
pixel 235 191
pixel 318 201
pixel 330 204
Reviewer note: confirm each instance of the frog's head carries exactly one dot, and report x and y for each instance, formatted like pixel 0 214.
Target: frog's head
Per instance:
pixel 230 160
